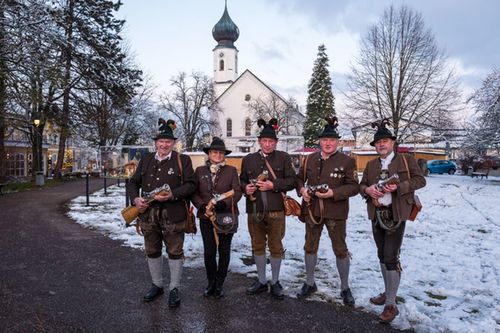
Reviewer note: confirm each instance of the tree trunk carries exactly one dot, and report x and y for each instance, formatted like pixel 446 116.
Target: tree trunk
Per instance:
pixel 64 121
pixel 3 93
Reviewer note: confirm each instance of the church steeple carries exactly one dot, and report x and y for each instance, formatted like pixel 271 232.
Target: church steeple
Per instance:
pixel 225 54
pixel 225 32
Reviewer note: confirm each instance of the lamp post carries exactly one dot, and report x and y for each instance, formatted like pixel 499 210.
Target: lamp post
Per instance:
pixel 39 178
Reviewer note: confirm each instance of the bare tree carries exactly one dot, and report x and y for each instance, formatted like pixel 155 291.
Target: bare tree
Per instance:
pixel 401 75
pixel 286 111
pixel 483 129
pixel 190 104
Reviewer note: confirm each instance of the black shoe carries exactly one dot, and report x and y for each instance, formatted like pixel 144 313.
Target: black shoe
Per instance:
pixel 210 289
pixel 153 293
pixel 307 290
pixel 174 298
pixel 277 291
pixel 219 292
pixel 257 288
pixel 347 297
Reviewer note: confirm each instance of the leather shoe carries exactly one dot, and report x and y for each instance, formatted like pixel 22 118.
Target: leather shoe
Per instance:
pixel 307 290
pixel 390 312
pixel 210 289
pixel 219 293
pixel 152 293
pixel 277 291
pixel 257 288
pixel 347 297
pixel 174 298
pixel 379 299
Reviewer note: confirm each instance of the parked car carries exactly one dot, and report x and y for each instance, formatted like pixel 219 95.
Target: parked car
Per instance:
pixel 486 162
pixel 441 166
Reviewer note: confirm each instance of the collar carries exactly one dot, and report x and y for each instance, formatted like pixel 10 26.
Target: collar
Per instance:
pixel 265 155
pixel 158 158
pixel 324 159
pixel 388 158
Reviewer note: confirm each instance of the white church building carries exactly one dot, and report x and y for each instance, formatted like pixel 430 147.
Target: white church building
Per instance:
pixel 235 95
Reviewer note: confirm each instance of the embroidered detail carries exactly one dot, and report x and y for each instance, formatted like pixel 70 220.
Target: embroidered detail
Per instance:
pixel 170 171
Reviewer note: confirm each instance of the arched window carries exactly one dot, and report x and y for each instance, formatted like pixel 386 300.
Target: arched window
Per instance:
pixel 248 127
pixel 229 128
pixel 221 65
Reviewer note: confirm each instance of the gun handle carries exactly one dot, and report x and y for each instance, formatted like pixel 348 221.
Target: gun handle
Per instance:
pixel 375 202
pixel 209 212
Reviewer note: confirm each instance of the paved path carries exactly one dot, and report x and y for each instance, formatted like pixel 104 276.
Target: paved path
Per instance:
pixel 56 276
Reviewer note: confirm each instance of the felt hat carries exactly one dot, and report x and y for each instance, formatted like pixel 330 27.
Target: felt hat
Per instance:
pixel 217 144
pixel 382 131
pixel 268 129
pixel 330 130
pixel 165 129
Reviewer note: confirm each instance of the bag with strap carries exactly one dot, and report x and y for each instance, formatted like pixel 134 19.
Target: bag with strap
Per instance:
pixel 417 205
pixel 226 223
pixel 292 207
pixel 190 222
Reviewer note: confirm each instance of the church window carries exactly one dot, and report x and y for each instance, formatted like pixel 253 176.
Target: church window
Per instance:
pixel 229 128
pixel 247 97
pixel 221 65
pixel 248 127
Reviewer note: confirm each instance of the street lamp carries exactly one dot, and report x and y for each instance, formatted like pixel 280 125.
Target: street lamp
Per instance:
pixel 39 178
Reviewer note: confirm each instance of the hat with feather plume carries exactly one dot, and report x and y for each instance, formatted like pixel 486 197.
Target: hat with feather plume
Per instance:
pixel 165 129
pixel 269 129
pixel 382 131
pixel 330 130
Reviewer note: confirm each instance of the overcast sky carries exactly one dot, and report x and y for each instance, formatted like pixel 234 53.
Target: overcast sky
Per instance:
pixel 279 38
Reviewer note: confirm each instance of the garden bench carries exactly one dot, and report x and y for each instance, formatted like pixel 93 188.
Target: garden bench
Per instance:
pixel 481 174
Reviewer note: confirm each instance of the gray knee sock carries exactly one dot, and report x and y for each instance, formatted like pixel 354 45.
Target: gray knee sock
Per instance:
pixel 156 270
pixel 310 260
pixel 343 268
pixel 260 262
pixel 393 278
pixel 175 266
pixel 275 269
pixel 383 270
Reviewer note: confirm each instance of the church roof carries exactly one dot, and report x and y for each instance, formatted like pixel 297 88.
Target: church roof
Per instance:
pixel 259 80
pixel 225 32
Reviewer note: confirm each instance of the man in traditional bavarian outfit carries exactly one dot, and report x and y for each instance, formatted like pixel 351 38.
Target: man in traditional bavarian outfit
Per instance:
pixel 163 220
pixel 388 208
pixel 264 204
pixel 327 205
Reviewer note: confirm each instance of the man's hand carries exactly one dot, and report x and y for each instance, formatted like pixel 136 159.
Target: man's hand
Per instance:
pixel 373 192
pixel 164 197
pixel 250 189
pixel 305 194
pixel 326 195
pixel 390 188
pixel 141 204
pixel 265 185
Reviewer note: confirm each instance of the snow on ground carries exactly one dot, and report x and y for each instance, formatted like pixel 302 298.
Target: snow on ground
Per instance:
pixel 451 275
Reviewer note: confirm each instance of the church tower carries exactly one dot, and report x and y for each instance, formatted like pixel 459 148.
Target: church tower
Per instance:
pixel 225 54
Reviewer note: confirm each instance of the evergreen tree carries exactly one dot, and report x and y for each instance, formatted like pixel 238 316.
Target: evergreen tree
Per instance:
pixel 320 99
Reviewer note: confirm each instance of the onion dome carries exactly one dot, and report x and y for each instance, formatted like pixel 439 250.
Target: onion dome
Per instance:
pixel 225 32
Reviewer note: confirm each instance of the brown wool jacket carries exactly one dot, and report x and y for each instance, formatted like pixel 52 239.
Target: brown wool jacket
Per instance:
pixel 151 174
pixel 253 164
pixel 226 180
pixel 403 197
pixel 339 172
